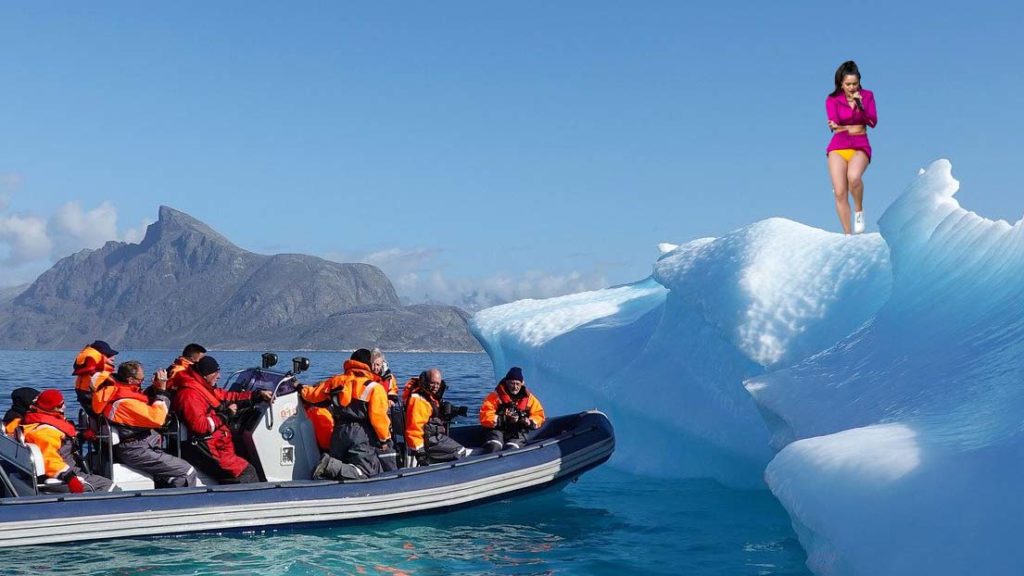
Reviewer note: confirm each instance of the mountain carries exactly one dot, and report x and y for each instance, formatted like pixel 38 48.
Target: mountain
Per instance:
pixel 7 293
pixel 186 283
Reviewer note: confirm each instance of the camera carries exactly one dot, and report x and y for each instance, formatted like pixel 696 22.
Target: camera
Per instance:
pixel 300 364
pixel 450 411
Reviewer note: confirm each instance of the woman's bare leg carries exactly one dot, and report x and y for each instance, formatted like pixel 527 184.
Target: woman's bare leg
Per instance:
pixel 854 173
pixel 837 170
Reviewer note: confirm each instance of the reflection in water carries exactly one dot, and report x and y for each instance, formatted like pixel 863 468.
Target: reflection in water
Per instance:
pixel 609 523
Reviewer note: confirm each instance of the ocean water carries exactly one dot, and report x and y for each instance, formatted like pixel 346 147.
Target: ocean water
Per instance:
pixel 609 522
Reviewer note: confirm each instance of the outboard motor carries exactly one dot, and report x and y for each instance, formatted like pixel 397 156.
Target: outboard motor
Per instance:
pixel 277 438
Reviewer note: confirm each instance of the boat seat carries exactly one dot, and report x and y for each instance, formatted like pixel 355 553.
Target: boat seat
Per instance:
pixel 37 459
pixel 124 477
pixel 44 484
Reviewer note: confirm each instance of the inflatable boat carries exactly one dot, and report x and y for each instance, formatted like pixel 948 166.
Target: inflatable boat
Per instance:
pixel 279 440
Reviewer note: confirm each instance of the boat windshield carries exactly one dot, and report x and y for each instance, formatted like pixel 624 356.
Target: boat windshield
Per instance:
pixel 255 379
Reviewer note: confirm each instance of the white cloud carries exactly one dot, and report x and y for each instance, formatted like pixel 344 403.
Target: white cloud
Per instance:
pixel 9 184
pixel 25 239
pixel 477 293
pixel 30 244
pixel 399 258
pixel 135 235
pixel 73 229
pixel 418 278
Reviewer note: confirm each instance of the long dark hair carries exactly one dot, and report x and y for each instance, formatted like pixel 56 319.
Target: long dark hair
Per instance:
pixel 848 68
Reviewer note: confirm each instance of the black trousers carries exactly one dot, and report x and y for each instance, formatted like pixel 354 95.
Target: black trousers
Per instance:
pixel 442 448
pixel 496 440
pixel 350 443
pixel 200 456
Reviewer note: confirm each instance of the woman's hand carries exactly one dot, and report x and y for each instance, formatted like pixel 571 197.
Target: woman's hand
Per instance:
pixel 835 127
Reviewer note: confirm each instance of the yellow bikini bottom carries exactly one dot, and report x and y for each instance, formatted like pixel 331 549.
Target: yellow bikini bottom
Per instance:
pixel 846 153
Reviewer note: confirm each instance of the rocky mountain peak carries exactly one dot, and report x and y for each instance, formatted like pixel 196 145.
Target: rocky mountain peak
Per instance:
pixel 173 224
pixel 187 283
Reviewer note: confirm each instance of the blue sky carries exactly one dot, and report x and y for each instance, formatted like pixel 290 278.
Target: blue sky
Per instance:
pixel 519 149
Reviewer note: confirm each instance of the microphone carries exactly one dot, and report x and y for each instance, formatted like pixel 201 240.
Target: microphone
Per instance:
pixel 859 104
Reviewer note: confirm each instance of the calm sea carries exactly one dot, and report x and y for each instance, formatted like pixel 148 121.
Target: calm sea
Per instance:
pixel 609 522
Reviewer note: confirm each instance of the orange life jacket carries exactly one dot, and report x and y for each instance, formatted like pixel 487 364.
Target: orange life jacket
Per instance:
pixel 125 405
pixel 12 426
pixel 91 368
pixel 53 435
pixel 499 400
pixel 358 395
pixel 422 415
pixel 58 422
pixel 323 425
pixel 179 365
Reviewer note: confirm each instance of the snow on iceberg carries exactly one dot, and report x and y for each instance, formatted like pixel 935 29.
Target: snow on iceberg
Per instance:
pixel 667 357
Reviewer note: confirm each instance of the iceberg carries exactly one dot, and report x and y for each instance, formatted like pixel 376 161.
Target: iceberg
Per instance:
pixel 873 382
pixel 667 357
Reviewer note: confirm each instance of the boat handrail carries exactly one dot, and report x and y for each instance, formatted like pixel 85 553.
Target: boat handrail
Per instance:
pixel 482 458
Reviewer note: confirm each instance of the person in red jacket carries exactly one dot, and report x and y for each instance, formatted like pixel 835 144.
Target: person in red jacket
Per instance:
pixel 45 426
pixel 509 413
pixel 204 408
pixel 93 365
pixel 361 440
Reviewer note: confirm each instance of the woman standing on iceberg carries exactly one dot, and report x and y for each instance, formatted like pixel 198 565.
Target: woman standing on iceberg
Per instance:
pixel 851 109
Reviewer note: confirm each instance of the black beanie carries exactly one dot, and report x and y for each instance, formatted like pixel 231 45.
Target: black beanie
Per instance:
pixel 21 399
pixel 362 355
pixel 207 365
pixel 514 373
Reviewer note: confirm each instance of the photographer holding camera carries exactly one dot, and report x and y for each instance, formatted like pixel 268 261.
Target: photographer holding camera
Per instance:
pixel 427 417
pixel 509 413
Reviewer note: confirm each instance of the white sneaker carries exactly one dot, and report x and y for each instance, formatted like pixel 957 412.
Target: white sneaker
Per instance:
pixel 858 222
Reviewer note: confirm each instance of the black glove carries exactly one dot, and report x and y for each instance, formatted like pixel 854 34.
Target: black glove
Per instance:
pixel 421 457
pixel 386 446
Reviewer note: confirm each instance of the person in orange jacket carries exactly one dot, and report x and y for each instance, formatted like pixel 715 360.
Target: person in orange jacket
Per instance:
pixel 93 365
pixel 427 419
pixel 45 426
pixel 190 355
pixel 135 417
pixel 509 413
pixel 320 415
pixel 204 409
pixel 21 400
pixel 361 442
